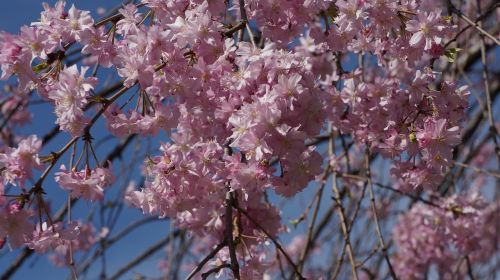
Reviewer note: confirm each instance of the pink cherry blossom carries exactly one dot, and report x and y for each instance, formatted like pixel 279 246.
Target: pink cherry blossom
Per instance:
pixel 17 164
pixel 70 94
pixel 15 225
pixel 438 140
pixel 88 183
pixel 429 29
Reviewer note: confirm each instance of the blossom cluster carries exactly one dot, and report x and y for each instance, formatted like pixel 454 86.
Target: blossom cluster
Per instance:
pixel 70 94
pixel 88 184
pixel 58 237
pixel 463 227
pixel 17 164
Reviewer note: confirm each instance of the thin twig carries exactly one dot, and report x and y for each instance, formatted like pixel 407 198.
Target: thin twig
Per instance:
pixel 109 242
pixel 10 115
pixel 244 18
pixel 469 268
pixel 372 253
pixel 345 228
pixel 409 195
pixel 493 129
pixel 214 270
pixel 475 25
pixel 114 17
pixel 151 250
pixel 229 33
pixel 375 216
pixel 479 170
pixel 310 227
pixel 339 262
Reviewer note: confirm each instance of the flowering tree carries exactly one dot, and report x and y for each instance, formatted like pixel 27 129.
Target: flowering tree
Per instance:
pixel 378 114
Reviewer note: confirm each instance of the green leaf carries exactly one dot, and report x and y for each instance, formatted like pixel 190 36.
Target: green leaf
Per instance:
pixel 447 18
pixel 332 11
pixel 108 204
pixel 295 222
pixel 40 67
pixel 451 54
pixel 413 137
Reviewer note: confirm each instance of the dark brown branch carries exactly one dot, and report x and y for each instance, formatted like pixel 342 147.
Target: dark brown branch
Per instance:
pixel 214 270
pixel 469 268
pixel 229 33
pixel 229 235
pixel 9 116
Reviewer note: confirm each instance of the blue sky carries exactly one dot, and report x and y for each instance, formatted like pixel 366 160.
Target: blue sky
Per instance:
pixel 17 13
